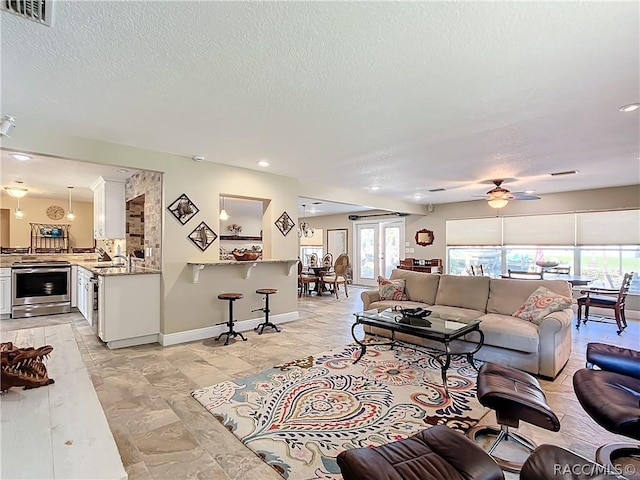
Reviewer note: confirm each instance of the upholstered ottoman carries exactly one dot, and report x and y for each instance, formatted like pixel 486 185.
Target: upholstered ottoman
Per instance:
pixel 614 359
pixel 433 454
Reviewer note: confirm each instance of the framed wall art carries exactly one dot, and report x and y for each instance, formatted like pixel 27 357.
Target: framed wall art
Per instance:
pixel 337 241
pixel 424 237
pixel 202 236
pixel 183 209
pixel 284 223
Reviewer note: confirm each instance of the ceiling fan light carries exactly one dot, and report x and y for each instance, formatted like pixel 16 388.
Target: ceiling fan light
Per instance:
pixel 16 192
pixel 498 202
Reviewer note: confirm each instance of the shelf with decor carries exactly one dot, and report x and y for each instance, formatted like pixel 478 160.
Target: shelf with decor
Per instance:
pixel 49 238
pixel 244 238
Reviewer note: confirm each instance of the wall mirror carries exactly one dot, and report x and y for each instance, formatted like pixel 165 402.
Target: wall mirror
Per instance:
pixel 424 237
pixel 337 241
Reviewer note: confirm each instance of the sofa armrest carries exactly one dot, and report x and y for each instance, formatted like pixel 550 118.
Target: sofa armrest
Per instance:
pixel 369 297
pixel 556 321
pixel 554 342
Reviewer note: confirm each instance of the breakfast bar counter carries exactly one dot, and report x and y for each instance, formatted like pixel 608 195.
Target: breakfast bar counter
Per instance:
pixel 247 266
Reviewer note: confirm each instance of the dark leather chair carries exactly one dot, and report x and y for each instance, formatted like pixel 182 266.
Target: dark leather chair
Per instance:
pixel 611 397
pixel 515 396
pixel 433 454
pixel 550 462
pixel 442 453
pixel 606 298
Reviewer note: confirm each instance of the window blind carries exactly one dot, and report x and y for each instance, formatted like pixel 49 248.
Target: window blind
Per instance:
pixel 608 228
pixel 558 229
pixel 474 231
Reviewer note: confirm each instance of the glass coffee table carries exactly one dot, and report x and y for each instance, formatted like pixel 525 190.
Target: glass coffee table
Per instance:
pixel 440 328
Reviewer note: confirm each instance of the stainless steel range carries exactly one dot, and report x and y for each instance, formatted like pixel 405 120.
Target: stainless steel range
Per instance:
pixel 40 288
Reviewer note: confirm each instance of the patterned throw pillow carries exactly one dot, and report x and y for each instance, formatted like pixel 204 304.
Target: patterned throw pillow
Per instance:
pixel 541 303
pixel 391 289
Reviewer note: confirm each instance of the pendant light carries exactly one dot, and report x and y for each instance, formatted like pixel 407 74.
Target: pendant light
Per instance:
pixel 19 213
pixel 70 215
pixel 223 213
pixel 305 230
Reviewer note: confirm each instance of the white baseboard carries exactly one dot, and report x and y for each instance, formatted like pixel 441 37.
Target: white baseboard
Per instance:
pixel 131 342
pixel 167 339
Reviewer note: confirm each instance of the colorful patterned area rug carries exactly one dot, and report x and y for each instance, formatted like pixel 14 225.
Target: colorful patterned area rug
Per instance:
pixel 300 415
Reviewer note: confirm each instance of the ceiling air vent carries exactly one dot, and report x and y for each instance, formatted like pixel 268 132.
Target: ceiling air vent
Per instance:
pixel 437 190
pixel 39 11
pixel 567 172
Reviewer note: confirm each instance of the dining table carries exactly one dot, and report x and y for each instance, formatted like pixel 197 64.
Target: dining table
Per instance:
pixel 574 280
pixel 320 271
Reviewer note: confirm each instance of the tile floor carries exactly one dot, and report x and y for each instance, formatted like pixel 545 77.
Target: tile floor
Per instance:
pixel 162 433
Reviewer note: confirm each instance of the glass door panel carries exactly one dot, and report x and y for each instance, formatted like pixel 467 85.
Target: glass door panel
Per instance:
pixel 391 247
pixel 366 248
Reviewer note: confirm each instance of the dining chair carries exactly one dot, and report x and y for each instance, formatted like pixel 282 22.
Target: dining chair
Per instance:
pixel 304 280
pixel 339 275
pixel 610 298
pixel 524 275
pixel 327 260
pixel 313 260
pixel 558 270
pixel 476 270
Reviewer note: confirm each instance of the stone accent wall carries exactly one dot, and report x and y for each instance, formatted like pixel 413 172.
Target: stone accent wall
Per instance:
pixel 147 185
pixel 135 224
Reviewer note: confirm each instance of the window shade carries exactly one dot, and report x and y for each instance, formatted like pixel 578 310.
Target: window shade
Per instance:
pixel 474 231
pixel 609 228
pixel 540 230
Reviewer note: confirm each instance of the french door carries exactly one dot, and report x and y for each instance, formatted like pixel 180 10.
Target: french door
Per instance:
pixel 378 249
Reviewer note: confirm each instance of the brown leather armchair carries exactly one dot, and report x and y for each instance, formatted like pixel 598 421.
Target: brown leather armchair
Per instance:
pixel 606 298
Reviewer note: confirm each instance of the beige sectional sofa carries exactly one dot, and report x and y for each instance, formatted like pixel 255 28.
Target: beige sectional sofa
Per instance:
pixel 538 349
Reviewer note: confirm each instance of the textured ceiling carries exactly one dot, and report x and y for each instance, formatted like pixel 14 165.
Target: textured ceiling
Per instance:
pixel 410 96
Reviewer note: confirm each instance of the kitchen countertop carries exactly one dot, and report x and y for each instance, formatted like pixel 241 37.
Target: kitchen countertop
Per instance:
pixel 90 264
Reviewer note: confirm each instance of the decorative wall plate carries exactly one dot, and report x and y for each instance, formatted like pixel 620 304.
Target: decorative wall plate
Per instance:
pixel 183 208
pixel 202 236
pixel 284 223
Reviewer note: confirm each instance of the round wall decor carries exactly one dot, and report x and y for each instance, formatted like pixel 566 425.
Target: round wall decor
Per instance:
pixel 54 212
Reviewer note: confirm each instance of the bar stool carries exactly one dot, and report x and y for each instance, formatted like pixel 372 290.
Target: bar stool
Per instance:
pixel 266 292
pixel 232 297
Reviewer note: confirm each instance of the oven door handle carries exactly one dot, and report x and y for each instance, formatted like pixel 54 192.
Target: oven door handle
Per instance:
pixel 18 271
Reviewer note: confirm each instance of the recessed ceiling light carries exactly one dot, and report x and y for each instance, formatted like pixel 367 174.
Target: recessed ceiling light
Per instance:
pixel 263 163
pixel 375 187
pixel 122 170
pixel 630 108
pixel 529 191
pixel 417 196
pixel 21 156
pixel 198 158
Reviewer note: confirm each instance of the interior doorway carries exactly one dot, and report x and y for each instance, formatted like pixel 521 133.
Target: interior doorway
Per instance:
pixel 378 249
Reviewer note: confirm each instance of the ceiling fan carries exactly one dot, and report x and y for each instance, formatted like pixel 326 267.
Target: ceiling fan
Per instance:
pixel 499 197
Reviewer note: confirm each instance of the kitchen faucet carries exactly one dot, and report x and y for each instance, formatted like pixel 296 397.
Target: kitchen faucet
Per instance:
pixel 127 260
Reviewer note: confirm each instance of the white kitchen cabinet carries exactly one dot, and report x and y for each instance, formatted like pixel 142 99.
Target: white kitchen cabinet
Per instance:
pixel 5 291
pixel 109 209
pixel 129 309
pixel 84 294
pixel 74 286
